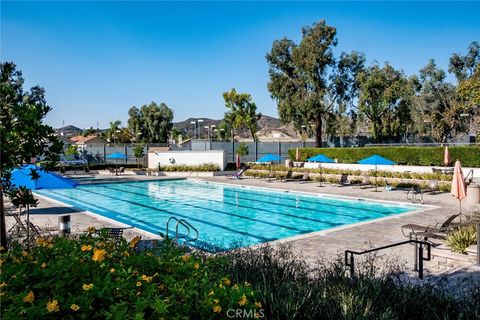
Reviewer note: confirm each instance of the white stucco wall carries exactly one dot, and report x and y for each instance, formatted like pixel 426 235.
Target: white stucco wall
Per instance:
pixel 189 158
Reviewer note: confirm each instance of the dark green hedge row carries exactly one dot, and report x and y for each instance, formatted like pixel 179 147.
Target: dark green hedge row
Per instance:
pixel 420 156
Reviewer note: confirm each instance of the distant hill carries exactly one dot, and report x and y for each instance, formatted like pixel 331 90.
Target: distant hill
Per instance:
pixel 68 131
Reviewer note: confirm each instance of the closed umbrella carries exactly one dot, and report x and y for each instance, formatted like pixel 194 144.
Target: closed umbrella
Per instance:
pixel 376 160
pixel 237 161
pixel 297 155
pixel 458 184
pixel 116 156
pixel 322 159
pixel 446 157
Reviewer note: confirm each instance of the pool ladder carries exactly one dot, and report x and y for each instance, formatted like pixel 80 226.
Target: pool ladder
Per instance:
pixel 184 223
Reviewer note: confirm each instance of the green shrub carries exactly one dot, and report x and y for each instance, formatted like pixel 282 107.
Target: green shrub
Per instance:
pixel 93 277
pixel 462 238
pixel 184 168
pixel 420 156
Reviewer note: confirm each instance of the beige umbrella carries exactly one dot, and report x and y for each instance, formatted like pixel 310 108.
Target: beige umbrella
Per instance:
pixel 458 184
pixel 446 157
pixel 297 155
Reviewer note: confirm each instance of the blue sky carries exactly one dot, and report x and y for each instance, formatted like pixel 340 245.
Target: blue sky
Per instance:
pixel 96 60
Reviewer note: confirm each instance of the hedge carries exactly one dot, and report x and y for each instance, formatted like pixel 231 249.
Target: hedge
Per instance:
pixel 419 156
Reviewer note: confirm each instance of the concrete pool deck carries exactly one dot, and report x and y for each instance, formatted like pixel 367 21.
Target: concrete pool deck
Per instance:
pixel 312 247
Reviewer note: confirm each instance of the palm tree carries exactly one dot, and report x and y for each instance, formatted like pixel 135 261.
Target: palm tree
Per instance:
pixel 114 126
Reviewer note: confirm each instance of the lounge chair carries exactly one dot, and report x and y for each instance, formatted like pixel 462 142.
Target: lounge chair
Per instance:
pixel 414 193
pixel 288 177
pixel 238 175
pixel 365 182
pixel 432 186
pixel 306 177
pixel 344 181
pixel 433 231
pixel 111 170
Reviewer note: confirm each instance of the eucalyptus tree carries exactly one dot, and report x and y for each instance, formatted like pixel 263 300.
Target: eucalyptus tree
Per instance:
pixel 242 112
pixel 308 82
pixel 385 96
pixel 23 135
pixel 151 123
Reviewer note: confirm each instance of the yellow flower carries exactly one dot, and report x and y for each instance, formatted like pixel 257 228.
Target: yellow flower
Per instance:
pixel 217 309
pixel 2 248
pixel 247 284
pixel 1 262
pixel 74 307
pixel 91 230
pixel 86 247
pixel 29 297
pixel 161 287
pixel 258 304
pixel 226 281
pixel 236 287
pixel 40 240
pixel 87 287
pixel 99 255
pixel 43 265
pixel 52 306
pixel 242 301
pixel 139 284
pixel 134 242
pixel 125 254
pixel 112 270
pixel 211 293
pixel 147 279
pixel 185 257
pixel 196 265
pixel 25 253
pixel 3 284
pixel 216 301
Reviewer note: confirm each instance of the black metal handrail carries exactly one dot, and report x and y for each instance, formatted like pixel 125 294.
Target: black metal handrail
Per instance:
pixel 350 260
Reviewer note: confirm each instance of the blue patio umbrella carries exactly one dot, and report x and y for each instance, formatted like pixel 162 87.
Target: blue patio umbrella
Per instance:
pixel 376 160
pixel 322 159
pixel 116 156
pixel 269 158
pixel 22 177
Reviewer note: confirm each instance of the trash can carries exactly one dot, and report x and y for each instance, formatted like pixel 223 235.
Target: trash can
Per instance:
pixel 64 225
pixel 473 194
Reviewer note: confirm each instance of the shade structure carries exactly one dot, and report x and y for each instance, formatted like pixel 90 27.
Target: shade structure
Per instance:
pixel 237 161
pixel 376 160
pixel 446 157
pixel 47 180
pixel 297 155
pixel 458 190
pixel 116 155
pixel 321 158
pixel 269 158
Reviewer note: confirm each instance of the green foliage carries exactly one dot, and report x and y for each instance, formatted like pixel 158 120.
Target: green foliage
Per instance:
pixel 462 238
pixel 183 168
pixel 290 289
pixel 71 150
pixel 151 123
pixel 419 156
pixel 242 149
pixel 96 277
pixel 307 81
pixel 242 111
pixel 385 97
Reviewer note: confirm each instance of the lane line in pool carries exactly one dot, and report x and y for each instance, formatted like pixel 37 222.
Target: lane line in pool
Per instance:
pixel 183 216
pixel 264 194
pixel 244 206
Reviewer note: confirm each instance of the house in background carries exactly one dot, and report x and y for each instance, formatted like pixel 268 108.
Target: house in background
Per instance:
pixel 89 141
pixel 66 142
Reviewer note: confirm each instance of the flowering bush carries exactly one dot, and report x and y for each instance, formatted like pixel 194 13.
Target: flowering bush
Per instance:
pixel 96 277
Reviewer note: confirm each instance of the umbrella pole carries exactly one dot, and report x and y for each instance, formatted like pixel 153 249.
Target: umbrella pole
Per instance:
pixel 376 178
pixel 28 226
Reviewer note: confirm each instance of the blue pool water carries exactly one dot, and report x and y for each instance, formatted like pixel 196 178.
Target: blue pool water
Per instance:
pixel 225 216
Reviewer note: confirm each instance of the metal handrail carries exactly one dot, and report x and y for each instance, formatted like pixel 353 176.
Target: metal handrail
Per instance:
pixel 350 261
pixel 184 223
pixel 470 173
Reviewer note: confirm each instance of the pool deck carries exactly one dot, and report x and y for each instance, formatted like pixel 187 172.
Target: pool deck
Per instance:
pixel 312 247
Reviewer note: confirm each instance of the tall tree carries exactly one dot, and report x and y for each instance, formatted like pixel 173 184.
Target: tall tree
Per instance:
pixel 384 98
pixel 463 67
pixel 307 81
pixel 113 130
pixel 23 135
pixel 242 112
pixel 151 123
pixel 439 104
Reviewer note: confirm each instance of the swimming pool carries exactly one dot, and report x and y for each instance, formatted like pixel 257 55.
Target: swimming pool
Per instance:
pixel 225 215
